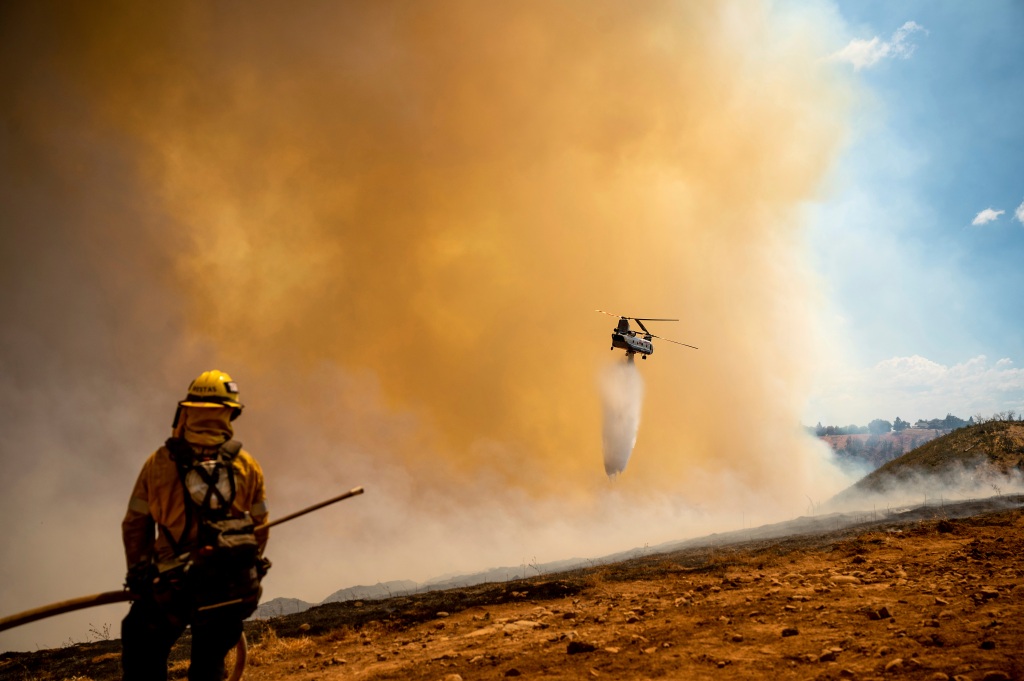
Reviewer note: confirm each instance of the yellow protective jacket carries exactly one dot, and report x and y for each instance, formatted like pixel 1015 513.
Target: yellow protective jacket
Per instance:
pixel 158 501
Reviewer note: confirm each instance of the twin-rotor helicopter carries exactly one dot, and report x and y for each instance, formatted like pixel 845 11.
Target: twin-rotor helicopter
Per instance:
pixel 630 340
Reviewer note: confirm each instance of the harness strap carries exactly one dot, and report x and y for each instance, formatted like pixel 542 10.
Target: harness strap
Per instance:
pixel 184 456
pixel 212 478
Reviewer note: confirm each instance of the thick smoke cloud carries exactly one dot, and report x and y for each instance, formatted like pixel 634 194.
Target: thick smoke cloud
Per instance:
pixel 391 223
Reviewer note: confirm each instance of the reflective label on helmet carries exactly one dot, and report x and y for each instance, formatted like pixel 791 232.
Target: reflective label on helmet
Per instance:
pixel 231 386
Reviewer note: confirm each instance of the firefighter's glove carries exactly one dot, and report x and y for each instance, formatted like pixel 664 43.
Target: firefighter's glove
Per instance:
pixel 140 578
pixel 262 567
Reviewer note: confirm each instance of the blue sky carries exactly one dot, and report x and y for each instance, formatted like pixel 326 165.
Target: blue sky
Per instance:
pixel 919 238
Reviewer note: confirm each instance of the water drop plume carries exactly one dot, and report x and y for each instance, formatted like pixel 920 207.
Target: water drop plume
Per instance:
pixel 622 397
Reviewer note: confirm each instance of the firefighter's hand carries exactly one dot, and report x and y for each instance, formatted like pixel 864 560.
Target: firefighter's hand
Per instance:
pixel 140 578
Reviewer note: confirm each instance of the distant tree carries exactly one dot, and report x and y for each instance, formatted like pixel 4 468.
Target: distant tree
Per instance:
pixel 878 427
pixel 819 429
pixel 899 425
pixel 830 430
pixel 952 422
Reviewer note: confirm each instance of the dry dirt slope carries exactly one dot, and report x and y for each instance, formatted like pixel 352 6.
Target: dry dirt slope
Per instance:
pixel 911 599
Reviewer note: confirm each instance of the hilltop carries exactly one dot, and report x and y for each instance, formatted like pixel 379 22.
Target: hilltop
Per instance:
pixel 980 459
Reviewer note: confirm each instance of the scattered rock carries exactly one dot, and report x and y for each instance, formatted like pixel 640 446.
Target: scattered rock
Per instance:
pixel 522 625
pixel 453 677
pixel 737 638
pixel 483 631
pixel 996 675
pixel 513 672
pixel 988 645
pixel 304 627
pixel 845 579
pixel 442 614
pixel 790 631
pixel 894 665
pixel 576 647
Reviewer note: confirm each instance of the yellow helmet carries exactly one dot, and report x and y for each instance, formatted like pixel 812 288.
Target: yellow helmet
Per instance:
pixel 213 388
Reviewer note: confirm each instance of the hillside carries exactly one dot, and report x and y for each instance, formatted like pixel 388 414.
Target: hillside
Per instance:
pixel 868 452
pixel 988 456
pixel 925 597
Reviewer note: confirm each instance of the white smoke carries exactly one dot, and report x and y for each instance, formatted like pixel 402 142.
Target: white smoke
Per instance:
pixel 622 396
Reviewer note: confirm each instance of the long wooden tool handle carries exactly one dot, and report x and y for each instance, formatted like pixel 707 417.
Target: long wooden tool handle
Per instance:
pixel 315 507
pixel 108 597
pixel 104 598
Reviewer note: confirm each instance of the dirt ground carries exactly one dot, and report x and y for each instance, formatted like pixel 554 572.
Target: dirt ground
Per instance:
pixel 933 600
pixel 928 599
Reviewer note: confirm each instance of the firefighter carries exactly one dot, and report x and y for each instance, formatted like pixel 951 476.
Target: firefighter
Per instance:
pixel 194 557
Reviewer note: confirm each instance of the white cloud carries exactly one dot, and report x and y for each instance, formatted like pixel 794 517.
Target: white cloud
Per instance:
pixel 916 387
pixel 1019 213
pixel 988 215
pixel 867 53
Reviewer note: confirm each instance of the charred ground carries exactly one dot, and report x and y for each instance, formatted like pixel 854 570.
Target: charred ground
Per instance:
pixel 915 596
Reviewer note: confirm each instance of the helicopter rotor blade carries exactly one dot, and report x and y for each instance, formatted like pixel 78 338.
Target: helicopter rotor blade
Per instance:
pixel 612 315
pixel 672 341
pixel 641 324
pixel 637 319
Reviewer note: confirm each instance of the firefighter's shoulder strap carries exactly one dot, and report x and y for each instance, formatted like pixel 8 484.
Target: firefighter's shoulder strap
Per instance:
pixel 207 484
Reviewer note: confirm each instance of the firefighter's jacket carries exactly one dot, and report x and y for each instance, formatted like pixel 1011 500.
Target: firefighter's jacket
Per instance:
pixel 158 501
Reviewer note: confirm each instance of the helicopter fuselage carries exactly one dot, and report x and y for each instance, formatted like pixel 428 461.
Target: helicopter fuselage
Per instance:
pixel 626 338
pixel 629 341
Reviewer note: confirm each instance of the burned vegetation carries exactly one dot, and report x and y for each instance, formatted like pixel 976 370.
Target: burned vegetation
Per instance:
pixel 925 594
